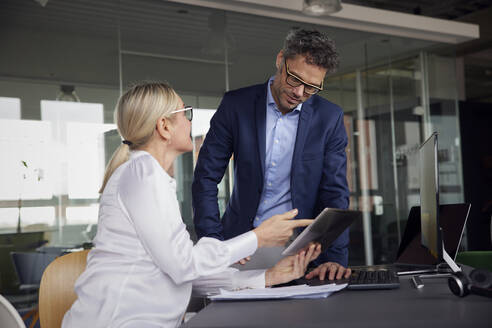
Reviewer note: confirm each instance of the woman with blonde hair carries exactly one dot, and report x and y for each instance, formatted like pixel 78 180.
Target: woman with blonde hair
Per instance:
pixel 140 272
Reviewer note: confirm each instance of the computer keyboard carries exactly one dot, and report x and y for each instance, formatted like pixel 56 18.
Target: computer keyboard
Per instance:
pixel 373 279
pixel 360 279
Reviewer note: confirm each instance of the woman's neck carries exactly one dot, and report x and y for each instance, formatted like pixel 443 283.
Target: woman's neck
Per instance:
pixel 162 154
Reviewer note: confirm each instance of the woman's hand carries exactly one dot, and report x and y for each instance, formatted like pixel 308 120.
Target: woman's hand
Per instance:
pixel 277 230
pixel 292 267
pixel 244 261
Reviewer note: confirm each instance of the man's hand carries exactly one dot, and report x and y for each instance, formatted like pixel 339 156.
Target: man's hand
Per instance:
pixel 277 230
pixel 292 267
pixel 334 271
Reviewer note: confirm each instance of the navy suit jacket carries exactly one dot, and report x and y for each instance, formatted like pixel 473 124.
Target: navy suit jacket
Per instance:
pixel 318 174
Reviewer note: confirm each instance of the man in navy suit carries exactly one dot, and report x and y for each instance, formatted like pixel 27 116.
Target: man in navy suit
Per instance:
pixel 289 150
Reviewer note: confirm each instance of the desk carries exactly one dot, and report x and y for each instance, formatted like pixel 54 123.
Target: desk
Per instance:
pixel 432 306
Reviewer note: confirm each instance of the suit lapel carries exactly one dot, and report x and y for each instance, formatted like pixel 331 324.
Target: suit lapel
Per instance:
pixel 260 118
pixel 302 132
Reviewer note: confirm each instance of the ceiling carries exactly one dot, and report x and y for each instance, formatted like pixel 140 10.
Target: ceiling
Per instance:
pixel 144 22
pixel 476 54
pixel 150 27
pixel 445 9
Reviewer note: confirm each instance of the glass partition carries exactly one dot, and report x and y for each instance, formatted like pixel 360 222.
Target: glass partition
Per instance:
pixel 58 86
pixel 388 118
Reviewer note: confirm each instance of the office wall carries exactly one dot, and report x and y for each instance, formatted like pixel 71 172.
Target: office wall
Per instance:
pixel 101 48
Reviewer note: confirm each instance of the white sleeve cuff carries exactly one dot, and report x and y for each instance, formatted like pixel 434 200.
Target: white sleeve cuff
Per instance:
pixel 242 246
pixel 248 279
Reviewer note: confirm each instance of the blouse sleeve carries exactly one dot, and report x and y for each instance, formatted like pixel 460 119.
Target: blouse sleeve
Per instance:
pixel 149 200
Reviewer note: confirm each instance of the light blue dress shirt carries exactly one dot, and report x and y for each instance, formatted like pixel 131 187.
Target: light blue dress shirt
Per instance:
pixel 281 131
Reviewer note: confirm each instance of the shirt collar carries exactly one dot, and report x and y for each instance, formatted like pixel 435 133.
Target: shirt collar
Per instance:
pixel 138 153
pixel 271 101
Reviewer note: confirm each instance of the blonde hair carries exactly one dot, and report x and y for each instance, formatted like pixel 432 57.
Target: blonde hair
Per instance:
pixel 136 115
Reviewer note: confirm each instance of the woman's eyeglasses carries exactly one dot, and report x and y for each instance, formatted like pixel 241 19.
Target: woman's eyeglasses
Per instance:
pixel 188 112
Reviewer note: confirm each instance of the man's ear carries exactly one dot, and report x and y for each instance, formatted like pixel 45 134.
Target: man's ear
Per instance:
pixel 164 128
pixel 279 60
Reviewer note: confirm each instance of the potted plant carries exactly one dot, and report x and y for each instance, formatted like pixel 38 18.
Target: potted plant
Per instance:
pixel 35 173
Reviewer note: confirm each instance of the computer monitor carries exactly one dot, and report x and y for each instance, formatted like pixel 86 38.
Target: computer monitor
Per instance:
pixel 429 203
pixel 429 198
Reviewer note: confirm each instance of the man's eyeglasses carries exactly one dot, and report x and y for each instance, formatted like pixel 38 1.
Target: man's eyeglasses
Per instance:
pixel 188 112
pixel 295 81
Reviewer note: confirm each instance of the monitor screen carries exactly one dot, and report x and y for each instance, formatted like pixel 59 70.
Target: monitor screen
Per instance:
pixel 429 198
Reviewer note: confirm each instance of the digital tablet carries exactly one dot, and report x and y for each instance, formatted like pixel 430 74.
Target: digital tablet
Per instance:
pixel 327 226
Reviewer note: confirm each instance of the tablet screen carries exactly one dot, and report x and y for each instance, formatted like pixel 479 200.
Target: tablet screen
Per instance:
pixel 327 226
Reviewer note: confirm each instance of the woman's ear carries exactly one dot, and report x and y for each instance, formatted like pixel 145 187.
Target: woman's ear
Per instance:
pixel 164 128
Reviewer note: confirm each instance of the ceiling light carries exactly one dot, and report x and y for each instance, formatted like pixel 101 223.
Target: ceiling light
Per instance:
pixel 321 7
pixel 67 93
pixel 42 2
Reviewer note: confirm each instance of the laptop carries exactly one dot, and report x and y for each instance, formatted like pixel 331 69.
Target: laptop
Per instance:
pixel 412 257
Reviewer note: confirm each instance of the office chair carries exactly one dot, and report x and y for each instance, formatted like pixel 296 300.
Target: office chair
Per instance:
pixel 29 267
pixel 476 259
pixel 11 242
pixel 56 292
pixel 9 317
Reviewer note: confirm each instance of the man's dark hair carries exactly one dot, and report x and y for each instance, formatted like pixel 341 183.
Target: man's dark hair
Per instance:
pixel 317 47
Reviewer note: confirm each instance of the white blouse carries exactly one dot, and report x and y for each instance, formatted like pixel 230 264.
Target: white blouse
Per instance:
pixel 140 272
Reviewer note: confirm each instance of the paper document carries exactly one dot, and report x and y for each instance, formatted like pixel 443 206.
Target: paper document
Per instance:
pixel 301 291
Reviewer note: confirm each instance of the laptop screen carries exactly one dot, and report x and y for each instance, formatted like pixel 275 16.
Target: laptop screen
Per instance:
pixel 452 219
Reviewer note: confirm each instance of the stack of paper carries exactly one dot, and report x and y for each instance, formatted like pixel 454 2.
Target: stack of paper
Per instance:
pixel 301 291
